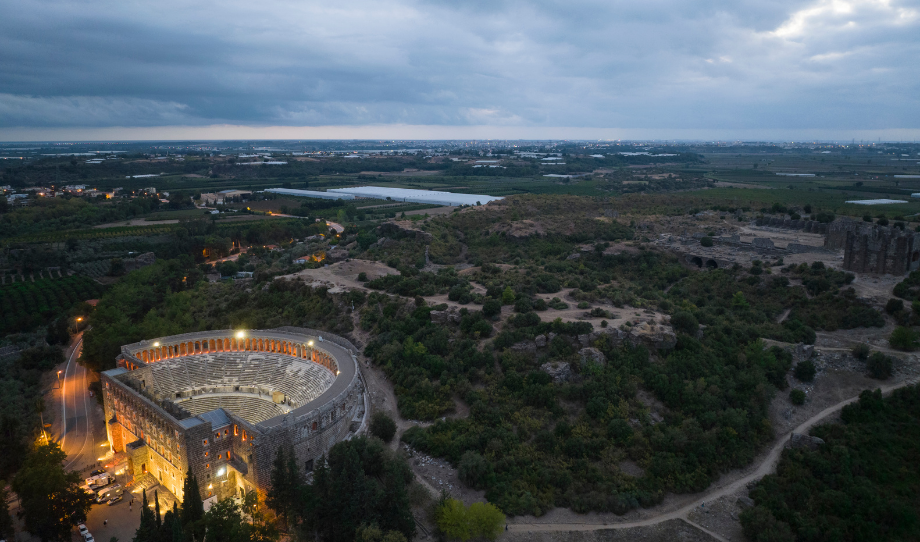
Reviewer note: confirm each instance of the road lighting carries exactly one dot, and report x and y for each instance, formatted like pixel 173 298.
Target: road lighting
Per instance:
pixel 60 383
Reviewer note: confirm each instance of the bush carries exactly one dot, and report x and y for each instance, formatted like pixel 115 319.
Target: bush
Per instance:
pixel 903 338
pixel 797 397
pixel 759 525
pixel 706 241
pixel 362 277
pixel 383 426
pixel 479 520
pixel 491 307
pixel 805 371
pixel 879 366
pixel 894 305
pixel 474 470
pixel 685 322
pixel 861 351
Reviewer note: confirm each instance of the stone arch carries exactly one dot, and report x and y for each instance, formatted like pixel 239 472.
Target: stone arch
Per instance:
pixel 213 347
pixel 712 264
pixel 696 260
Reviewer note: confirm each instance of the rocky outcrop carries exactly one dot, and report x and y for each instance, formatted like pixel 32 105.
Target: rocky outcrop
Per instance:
pixel 657 336
pixel 528 347
pixel 540 341
pixel 592 355
pixel 445 317
pixel 559 371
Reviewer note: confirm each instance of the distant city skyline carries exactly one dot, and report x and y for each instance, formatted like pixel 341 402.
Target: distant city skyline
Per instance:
pixel 428 69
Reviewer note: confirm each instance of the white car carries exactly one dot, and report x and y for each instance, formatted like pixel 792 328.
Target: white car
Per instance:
pixel 89 538
pixel 83 530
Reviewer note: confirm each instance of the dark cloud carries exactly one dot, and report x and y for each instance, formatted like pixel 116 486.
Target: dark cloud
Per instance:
pixel 667 64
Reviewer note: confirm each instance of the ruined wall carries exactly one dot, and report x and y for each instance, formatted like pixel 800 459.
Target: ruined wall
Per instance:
pixel 837 233
pixel 808 226
pixel 881 250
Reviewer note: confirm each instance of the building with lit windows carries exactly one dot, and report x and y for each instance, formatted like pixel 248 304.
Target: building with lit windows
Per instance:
pixel 224 402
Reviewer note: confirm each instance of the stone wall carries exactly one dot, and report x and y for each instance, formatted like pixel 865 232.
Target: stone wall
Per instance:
pixel 837 232
pixel 808 226
pixel 881 250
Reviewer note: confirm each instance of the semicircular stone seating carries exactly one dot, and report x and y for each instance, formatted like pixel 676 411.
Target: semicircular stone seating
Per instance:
pixel 240 382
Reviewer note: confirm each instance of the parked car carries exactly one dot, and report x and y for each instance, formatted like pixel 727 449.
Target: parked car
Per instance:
pixel 97 471
pixel 89 538
pixel 83 530
pixel 115 499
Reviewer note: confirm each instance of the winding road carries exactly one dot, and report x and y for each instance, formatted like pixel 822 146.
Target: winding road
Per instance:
pixel 76 424
pixel 767 466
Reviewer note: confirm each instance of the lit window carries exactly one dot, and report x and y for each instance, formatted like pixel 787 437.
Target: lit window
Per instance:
pixel 206 453
pixel 228 455
pixel 207 465
pixel 204 442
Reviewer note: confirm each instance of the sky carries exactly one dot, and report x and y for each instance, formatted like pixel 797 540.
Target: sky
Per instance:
pixel 416 69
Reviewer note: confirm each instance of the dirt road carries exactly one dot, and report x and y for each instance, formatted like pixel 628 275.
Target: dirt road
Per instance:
pixel 767 466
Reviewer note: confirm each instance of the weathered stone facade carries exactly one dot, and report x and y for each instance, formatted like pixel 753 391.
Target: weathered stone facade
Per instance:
pixel 228 454
pixel 881 250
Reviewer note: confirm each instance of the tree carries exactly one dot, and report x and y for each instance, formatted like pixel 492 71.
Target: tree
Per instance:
pixel 759 525
pixel 479 520
pixel 452 521
pixel 706 241
pixel 192 507
pixel 224 522
pixel 685 322
pixel 903 338
pixel 383 426
pixel 491 307
pixel 797 397
pixel 507 296
pixel 6 520
pixel 805 370
pixel 51 498
pixel 879 366
pixel 485 520
pixel 147 530
pixel 278 494
pixel 861 351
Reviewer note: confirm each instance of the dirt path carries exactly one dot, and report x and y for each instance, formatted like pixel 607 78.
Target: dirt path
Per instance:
pixel 767 466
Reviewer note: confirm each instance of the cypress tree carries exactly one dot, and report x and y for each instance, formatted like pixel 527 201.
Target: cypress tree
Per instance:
pixel 146 531
pixel 192 507
pixel 176 527
pixel 278 496
pixel 156 504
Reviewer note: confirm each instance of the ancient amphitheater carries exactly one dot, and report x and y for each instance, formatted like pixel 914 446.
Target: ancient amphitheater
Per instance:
pixel 224 402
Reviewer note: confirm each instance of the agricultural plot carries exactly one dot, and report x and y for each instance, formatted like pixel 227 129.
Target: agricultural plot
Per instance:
pixel 26 305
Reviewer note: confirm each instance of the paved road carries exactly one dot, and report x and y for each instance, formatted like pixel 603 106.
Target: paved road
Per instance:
pixel 767 466
pixel 77 410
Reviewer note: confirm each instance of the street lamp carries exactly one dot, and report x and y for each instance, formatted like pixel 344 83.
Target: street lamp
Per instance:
pixel 59 379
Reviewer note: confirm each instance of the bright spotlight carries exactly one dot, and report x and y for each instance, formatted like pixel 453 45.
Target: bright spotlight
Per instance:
pixel 240 334
pixel 156 343
pixel 309 343
pixel 221 471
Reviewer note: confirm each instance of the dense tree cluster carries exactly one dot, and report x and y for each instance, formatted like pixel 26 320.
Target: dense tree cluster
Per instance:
pixel 861 484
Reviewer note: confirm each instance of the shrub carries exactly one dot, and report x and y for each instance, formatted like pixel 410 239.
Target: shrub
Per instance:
pixel 759 525
pixel 894 305
pixel 903 338
pixel 474 470
pixel 491 307
pixel 805 371
pixel 879 366
pixel 706 241
pixel 797 397
pixel 383 426
pixel 685 322
pixel 507 296
pixel 362 277
pixel 861 351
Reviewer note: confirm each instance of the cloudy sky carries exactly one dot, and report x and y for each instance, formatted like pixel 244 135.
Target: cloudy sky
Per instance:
pixel 777 69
